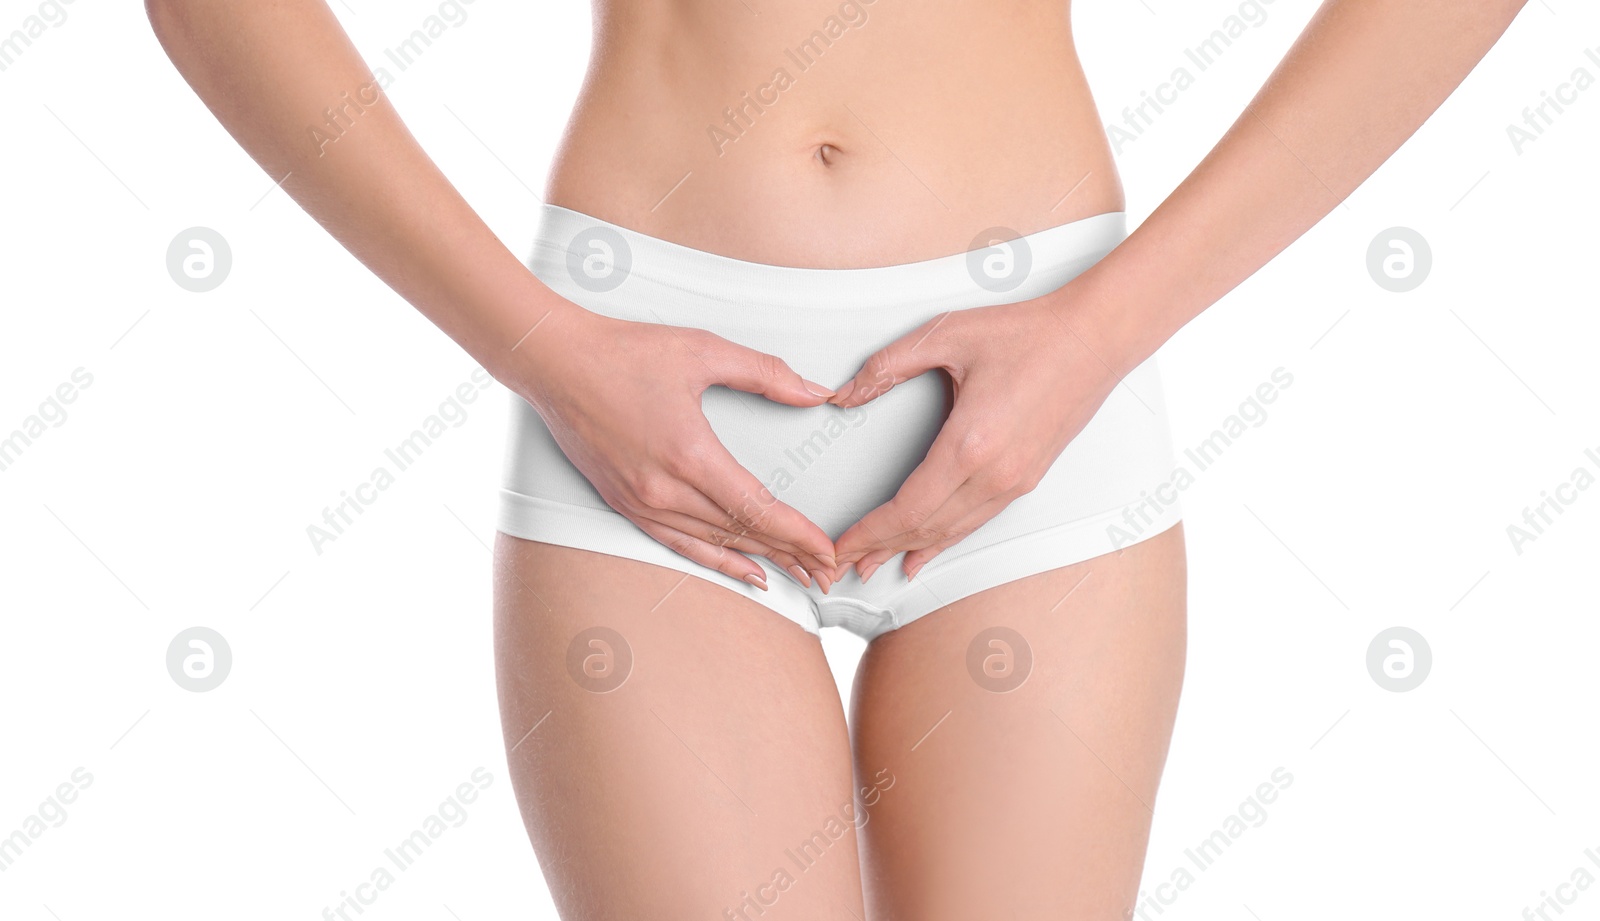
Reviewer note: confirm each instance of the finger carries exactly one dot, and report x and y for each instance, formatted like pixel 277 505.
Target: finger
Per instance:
pixel 904 522
pixel 689 482
pixel 737 491
pixel 918 558
pixel 770 520
pixel 697 527
pixel 698 505
pixel 869 564
pixel 889 528
pixel 913 354
pixel 722 559
pixel 733 365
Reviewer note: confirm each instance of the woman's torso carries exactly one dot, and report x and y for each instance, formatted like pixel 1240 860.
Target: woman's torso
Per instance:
pixel 823 134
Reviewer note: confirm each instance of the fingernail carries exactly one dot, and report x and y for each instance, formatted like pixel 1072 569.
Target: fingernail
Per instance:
pixel 845 391
pixel 816 389
pixel 799 573
pixel 824 581
pixel 867 573
pixel 757 581
pixel 911 573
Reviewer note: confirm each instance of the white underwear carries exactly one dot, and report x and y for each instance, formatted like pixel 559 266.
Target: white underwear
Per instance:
pixel 834 465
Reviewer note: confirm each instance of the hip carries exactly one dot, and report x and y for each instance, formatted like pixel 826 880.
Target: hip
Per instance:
pixel 834 464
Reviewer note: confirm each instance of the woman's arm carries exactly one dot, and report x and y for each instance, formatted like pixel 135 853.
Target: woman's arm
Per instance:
pixel 622 399
pixel 1359 81
pixel 1361 78
pixel 271 72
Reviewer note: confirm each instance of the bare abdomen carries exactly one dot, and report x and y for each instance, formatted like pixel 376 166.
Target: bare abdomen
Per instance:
pixel 828 135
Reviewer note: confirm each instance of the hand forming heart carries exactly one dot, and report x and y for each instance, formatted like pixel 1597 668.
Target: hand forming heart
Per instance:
pixel 1026 383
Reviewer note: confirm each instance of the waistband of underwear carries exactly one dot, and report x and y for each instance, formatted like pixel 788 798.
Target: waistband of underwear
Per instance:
pixel 590 252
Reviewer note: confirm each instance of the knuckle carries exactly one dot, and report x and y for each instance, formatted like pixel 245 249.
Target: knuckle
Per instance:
pixel 654 491
pixel 974 451
pixel 725 538
pixel 769 368
pixel 756 516
pixel 910 519
pixel 1027 483
pixel 733 520
pixel 880 371
pixel 1002 473
pixel 725 562
pixel 935 537
pixel 621 497
pixel 684 461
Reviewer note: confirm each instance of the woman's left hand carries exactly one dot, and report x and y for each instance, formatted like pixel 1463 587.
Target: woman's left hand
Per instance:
pixel 1026 383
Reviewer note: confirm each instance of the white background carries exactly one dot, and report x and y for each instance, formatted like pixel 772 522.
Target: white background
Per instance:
pixel 218 426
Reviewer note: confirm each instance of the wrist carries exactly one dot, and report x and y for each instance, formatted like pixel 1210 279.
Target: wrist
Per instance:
pixel 547 328
pixel 1137 296
pixel 1097 317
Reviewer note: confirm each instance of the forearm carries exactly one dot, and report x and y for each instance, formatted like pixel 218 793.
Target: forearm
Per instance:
pixel 271 72
pixel 1358 82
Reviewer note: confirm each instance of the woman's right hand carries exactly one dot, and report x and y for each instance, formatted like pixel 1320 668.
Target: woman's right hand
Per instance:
pixel 622 400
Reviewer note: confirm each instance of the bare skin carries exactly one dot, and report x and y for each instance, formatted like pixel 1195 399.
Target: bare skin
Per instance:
pixel 689 786
pixel 899 138
pixel 678 792
pixel 908 133
pixel 1034 802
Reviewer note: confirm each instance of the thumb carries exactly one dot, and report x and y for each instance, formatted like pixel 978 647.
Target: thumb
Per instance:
pixel 746 369
pixel 909 356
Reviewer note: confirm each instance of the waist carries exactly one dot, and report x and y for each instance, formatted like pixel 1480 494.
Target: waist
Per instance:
pixel 627 274
pixel 816 138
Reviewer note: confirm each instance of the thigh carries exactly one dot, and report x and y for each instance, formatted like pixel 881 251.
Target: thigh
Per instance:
pixel 677 751
pixel 1025 729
